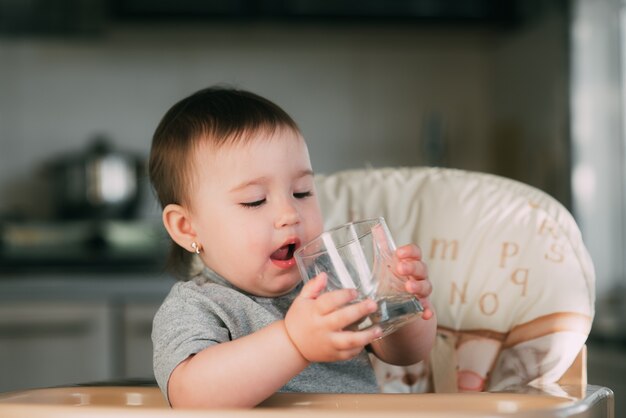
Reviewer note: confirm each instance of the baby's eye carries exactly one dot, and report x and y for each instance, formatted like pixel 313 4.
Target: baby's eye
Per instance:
pixel 254 204
pixel 302 195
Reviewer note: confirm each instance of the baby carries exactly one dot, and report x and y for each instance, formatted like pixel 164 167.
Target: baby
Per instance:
pixel 232 173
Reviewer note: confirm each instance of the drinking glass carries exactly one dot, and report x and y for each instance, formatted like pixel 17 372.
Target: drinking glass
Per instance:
pixel 361 255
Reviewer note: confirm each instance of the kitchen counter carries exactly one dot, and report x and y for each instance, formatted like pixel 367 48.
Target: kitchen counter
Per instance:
pixel 82 246
pixel 85 286
pixel 72 262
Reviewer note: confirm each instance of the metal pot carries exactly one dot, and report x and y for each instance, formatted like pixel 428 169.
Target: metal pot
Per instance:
pixel 97 183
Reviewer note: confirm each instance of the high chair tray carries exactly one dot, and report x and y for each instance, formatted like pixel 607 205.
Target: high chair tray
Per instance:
pixel 139 401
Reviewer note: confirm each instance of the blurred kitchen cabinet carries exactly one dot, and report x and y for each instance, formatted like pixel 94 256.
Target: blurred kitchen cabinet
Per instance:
pixel 54 343
pixel 137 339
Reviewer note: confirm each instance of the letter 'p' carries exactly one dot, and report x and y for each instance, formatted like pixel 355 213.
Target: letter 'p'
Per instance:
pixel 509 249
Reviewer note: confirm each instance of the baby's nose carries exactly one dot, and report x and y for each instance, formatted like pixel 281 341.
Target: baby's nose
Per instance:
pixel 288 216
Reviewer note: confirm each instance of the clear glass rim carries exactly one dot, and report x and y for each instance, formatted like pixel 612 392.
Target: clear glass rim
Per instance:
pixel 301 252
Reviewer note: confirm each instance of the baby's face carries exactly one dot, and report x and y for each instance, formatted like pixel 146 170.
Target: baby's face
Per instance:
pixel 252 205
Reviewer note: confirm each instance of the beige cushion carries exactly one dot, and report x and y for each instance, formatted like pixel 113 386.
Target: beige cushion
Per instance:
pixel 513 282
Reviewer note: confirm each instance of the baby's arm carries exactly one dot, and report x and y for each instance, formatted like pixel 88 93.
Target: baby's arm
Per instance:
pixel 246 371
pixel 412 342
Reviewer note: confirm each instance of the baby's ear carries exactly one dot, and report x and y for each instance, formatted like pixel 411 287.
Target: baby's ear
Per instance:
pixel 177 222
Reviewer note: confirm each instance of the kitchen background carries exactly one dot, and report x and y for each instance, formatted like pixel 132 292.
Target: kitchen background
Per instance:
pixel 526 89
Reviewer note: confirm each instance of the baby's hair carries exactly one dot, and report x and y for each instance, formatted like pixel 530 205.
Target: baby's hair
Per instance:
pixel 218 116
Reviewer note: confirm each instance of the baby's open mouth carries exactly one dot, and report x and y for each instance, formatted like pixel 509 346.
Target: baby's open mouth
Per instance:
pixel 284 253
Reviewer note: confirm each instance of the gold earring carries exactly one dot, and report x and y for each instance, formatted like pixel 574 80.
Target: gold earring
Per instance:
pixel 195 247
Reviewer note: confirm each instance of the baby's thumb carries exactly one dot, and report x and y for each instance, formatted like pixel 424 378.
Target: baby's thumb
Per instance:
pixel 314 287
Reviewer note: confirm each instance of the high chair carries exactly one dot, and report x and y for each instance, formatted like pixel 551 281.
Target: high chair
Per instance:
pixel 513 284
pixel 513 293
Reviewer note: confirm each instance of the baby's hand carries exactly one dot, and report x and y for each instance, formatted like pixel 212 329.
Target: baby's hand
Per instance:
pixel 316 322
pixel 411 266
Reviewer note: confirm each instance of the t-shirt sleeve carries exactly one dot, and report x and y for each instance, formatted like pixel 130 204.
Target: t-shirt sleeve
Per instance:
pixel 184 325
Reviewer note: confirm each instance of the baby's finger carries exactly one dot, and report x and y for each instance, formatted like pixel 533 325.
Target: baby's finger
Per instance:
pixel 420 288
pixel 409 251
pixel 348 354
pixel 331 301
pixel 351 340
pixel 314 287
pixel 428 309
pixel 413 268
pixel 350 314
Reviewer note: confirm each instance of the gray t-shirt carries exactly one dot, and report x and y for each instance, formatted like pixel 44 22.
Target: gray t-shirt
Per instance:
pixel 208 310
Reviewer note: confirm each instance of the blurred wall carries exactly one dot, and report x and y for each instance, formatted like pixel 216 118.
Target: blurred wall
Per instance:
pixel 598 42
pixel 363 95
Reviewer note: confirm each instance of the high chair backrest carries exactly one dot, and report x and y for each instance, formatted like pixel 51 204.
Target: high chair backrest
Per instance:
pixel 513 282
